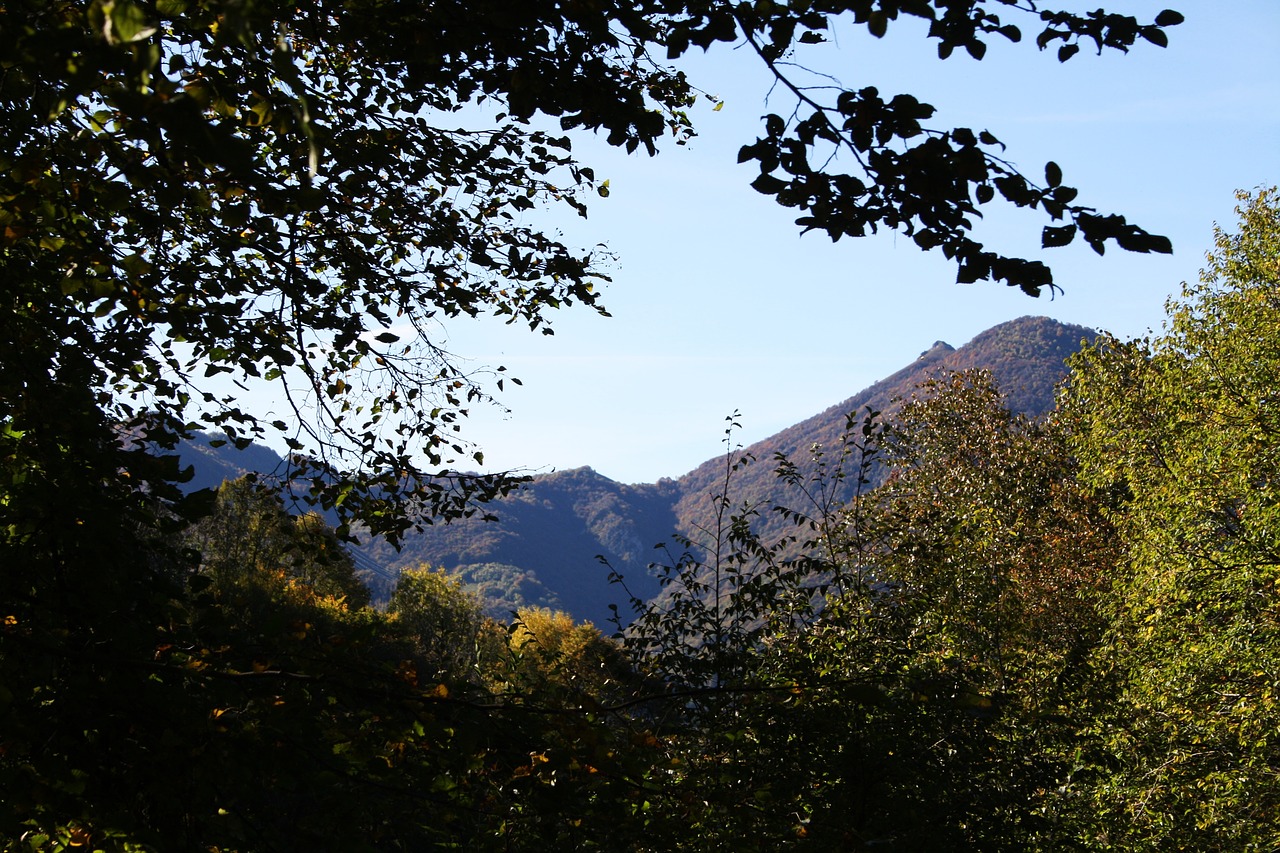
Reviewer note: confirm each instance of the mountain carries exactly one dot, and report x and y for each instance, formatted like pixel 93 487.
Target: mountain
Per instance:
pixel 543 549
pixel 555 526
pixel 215 465
pixel 1026 356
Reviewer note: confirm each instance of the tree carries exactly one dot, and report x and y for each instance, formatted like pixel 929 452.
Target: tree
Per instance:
pixel 549 654
pixel 986 527
pixel 996 556
pixel 248 537
pixel 1183 428
pixel 936 695
pixel 914 667
pixel 443 619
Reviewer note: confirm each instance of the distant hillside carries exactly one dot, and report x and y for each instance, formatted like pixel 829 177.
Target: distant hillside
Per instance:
pixel 214 465
pixel 543 548
pixel 554 528
pixel 1026 356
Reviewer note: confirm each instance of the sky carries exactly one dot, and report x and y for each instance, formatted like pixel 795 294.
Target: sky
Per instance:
pixel 719 305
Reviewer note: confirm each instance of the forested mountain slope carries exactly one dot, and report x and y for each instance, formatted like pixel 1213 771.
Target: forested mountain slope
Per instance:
pixel 1026 357
pixel 543 548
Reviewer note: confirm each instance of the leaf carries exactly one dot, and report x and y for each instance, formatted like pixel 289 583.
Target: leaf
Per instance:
pixel 968 274
pixel 877 23
pixel 768 184
pixel 1053 237
pixel 125 22
pixel 1155 36
pixel 1052 174
pixel 387 338
pixel 135 265
pixel 1169 18
pixel 677 42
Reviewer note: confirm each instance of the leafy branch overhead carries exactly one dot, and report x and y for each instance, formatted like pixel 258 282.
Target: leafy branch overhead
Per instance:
pixel 929 184
pixel 301 194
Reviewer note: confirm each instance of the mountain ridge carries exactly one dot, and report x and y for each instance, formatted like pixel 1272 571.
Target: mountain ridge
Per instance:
pixel 1027 356
pixel 552 534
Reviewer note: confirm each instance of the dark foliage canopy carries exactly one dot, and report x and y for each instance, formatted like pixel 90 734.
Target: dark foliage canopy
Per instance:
pixel 299 193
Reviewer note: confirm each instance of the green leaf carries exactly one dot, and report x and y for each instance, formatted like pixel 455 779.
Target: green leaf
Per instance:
pixel 135 265
pixel 126 22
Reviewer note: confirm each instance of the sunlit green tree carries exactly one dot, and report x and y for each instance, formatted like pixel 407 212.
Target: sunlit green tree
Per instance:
pixel 1185 428
pixel 937 698
pixel 443 619
pixel 249 537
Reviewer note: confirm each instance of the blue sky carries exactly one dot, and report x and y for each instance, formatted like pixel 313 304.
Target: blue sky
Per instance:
pixel 720 305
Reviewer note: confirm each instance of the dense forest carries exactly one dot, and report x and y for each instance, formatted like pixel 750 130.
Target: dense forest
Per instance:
pixel 1023 632
pixel 1037 634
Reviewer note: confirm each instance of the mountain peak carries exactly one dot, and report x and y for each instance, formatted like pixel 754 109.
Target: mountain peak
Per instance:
pixel 938 347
